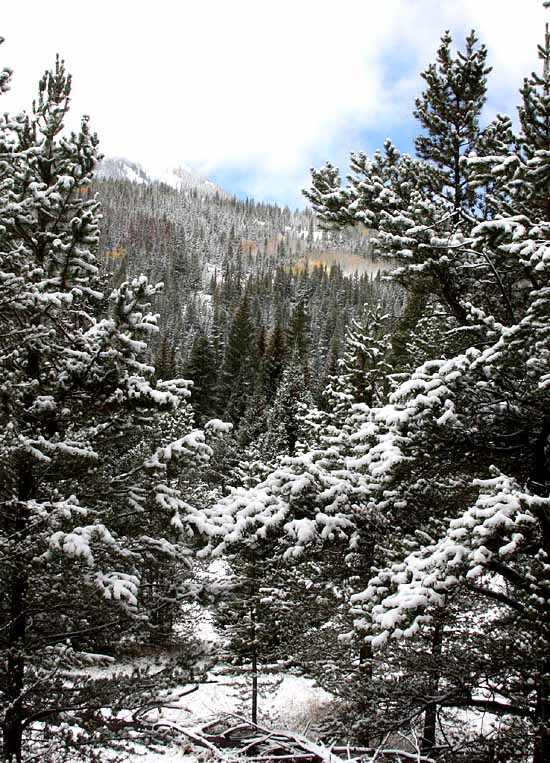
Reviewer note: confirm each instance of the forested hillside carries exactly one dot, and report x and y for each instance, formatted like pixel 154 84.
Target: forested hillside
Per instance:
pixel 247 288
pixel 341 473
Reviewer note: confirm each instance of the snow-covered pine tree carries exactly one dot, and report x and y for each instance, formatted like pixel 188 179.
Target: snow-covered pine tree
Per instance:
pixel 471 436
pixel 365 369
pixel 449 110
pixel 283 419
pixel 404 199
pixel 308 501
pixel 455 465
pixel 273 362
pixel 78 521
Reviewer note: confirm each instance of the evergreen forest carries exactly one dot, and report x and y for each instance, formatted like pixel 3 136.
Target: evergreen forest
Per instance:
pixel 320 437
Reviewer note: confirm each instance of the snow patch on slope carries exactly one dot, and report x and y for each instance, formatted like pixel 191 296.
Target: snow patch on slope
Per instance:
pixel 182 178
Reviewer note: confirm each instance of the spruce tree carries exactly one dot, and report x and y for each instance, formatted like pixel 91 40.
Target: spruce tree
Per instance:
pixel 244 616
pixel 237 372
pixel 201 370
pixel 298 332
pixel 273 362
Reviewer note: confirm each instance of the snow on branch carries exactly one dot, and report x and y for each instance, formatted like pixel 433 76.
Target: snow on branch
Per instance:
pixel 398 599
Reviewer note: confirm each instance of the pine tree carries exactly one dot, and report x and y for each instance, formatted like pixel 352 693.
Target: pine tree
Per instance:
pixel 482 476
pixel 76 388
pixel 365 368
pixel 406 199
pixel 449 111
pixel 246 619
pixel 444 483
pixel 165 362
pixel 283 420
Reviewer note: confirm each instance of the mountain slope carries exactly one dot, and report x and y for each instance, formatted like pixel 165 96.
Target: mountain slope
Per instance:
pixel 181 178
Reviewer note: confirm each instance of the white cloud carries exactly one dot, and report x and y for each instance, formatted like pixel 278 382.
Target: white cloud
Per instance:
pixel 226 84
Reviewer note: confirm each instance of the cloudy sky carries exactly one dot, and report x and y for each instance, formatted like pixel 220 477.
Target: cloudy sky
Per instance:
pixel 253 93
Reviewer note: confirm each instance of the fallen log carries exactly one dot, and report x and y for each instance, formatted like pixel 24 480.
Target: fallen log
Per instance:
pixel 231 742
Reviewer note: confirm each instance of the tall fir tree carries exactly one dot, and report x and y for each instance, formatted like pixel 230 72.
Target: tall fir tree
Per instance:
pixel 237 372
pixel 202 371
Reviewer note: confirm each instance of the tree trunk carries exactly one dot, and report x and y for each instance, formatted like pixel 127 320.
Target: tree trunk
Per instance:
pixel 541 753
pixel 253 592
pixel 430 715
pixel 254 688
pixel 254 713
pixel 365 662
pixel 14 717
pixel 13 720
pixel 539 482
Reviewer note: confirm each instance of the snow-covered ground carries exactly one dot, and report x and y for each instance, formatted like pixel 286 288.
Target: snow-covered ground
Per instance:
pixel 292 705
pixel 288 703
